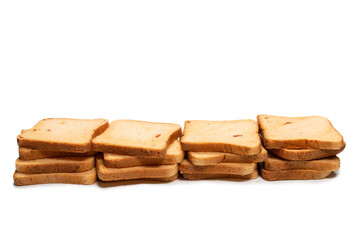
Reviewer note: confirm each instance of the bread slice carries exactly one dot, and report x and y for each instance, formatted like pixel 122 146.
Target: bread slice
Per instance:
pixel 174 154
pixel 203 176
pixel 299 132
pixel 274 163
pixel 138 181
pixel 294 174
pixel 62 134
pixel 212 158
pixel 32 154
pixel 139 172
pixel 85 178
pixel 56 165
pixel 238 137
pixel 137 138
pixel 304 154
pixel 223 168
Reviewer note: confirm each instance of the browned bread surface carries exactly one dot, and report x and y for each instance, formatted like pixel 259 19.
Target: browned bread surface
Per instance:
pixel 237 136
pixel 55 165
pixel 212 158
pixel 304 154
pixel 32 154
pixel 62 134
pixel 223 168
pixel 85 178
pixel 202 176
pixel 137 138
pixel 138 172
pixel 174 154
pixel 299 132
pixel 297 174
pixel 326 164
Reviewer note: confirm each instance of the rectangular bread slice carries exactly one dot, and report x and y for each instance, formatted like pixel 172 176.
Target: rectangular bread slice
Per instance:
pixel 212 158
pixel 299 132
pixel 139 172
pixel 224 168
pixel 32 154
pixel 56 165
pixel 137 138
pixel 274 163
pixel 294 174
pixel 138 181
pixel 203 176
pixel 62 134
pixel 174 154
pixel 304 154
pixel 238 137
pixel 85 178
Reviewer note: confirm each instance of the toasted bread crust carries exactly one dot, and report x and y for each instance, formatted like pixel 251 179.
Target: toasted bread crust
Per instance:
pixel 85 178
pixel 211 158
pixel 304 154
pixel 139 172
pixel 326 164
pixel 297 174
pixel 223 168
pixel 33 154
pixel 55 165
pixel 174 154
pixel 205 176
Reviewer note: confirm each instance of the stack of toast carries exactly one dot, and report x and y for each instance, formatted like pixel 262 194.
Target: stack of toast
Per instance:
pixel 58 150
pixel 138 151
pixel 301 147
pixel 221 150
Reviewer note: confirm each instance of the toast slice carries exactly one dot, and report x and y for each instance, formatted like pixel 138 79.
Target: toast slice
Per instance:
pixel 304 154
pixel 212 158
pixel 85 178
pixel 32 154
pixel 203 176
pixel 299 132
pixel 138 181
pixel 274 163
pixel 238 137
pixel 297 174
pixel 139 172
pixel 174 154
pixel 223 168
pixel 62 134
pixel 56 165
pixel 137 138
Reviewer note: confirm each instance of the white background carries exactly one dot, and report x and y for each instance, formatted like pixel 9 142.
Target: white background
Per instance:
pixel 172 61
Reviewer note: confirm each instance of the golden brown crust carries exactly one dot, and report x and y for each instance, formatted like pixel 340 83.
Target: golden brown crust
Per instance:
pixel 274 163
pixel 297 174
pixel 85 178
pixel 32 154
pixel 304 154
pixel 212 158
pixel 205 176
pixel 139 172
pixel 174 154
pixel 55 165
pixel 223 168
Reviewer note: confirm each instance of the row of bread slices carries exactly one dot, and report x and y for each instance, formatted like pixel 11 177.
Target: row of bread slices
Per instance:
pixel 67 150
